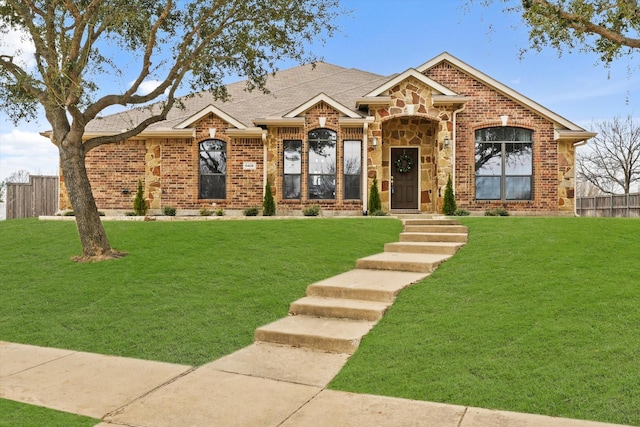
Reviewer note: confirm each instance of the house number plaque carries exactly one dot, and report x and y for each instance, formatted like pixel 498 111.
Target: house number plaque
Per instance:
pixel 249 166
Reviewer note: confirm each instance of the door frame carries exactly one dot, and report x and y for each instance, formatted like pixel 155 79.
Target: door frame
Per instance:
pixel 418 174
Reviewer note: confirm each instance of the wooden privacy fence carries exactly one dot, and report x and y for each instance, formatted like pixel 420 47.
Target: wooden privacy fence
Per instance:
pixel 38 197
pixel 613 205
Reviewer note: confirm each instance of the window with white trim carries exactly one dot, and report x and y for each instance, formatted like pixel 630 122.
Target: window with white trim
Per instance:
pixel 504 163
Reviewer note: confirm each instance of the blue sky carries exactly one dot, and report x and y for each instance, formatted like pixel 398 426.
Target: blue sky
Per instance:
pixel 390 36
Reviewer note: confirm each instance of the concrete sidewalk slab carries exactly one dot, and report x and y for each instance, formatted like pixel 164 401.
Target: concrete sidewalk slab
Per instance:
pixel 82 383
pixel 478 417
pixel 16 358
pixel 283 363
pixel 208 397
pixel 342 409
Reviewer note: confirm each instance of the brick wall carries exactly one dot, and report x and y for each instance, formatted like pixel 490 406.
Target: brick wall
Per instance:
pixel 484 110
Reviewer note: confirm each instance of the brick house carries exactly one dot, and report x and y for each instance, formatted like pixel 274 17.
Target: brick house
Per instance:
pixel 324 133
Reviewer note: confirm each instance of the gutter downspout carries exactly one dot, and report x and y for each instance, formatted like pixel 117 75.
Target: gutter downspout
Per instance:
pixel 365 167
pixel 575 176
pixel 454 142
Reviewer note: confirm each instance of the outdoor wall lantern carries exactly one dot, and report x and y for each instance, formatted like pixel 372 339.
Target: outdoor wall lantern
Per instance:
pixel 374 142
pixel 447 141
pixel 504 120
pixel 125 191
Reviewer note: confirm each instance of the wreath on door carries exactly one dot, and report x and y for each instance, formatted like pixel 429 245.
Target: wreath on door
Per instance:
pixel 404 163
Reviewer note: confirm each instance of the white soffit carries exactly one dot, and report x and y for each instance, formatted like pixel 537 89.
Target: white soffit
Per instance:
pixel 322 97
pixel 208 110
pixel 505 90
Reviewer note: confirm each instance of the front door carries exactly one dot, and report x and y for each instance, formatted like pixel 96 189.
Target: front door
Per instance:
pixel 404 178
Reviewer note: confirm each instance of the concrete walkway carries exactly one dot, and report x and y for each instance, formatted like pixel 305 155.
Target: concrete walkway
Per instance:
pixel 280 380
pixel 260 385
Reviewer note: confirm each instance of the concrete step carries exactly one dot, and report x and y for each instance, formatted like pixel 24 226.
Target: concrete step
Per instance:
pixel 435 229
pixel 433 237
pixel 339 308
pixel 398 261
pixel 332 335
pixel 445 248
pixel 441 221
pixel 370 285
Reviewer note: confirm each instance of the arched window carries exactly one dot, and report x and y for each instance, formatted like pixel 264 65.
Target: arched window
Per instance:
pixel 504 163
pixel 213 169
pixel 322 164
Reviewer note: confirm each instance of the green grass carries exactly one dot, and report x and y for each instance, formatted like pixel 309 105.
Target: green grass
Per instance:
pixel 13 414
pixel 537 315
pixel 189 292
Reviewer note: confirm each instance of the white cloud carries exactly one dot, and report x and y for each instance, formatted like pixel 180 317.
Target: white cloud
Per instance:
pixel 147 86
pixel 19 45
pixel 26 150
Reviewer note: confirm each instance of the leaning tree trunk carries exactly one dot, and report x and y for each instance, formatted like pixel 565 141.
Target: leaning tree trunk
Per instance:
pixel 95 244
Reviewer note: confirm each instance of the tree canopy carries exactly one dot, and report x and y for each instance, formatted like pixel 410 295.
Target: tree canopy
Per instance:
pixel 193 44
pixel 608 28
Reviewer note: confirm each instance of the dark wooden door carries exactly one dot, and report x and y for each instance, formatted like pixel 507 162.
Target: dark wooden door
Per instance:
pixel 404 178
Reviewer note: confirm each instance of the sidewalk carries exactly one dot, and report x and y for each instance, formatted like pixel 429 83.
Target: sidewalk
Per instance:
pixel 260 385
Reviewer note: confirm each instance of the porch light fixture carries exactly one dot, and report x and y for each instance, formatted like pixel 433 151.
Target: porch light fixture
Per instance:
pixel 447 141
pixel 504 120
pixel 212 132
pixel 374 142
pixel 322 121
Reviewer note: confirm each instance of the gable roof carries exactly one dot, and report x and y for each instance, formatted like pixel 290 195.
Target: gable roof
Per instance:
pixel 322 97
pixel 293 91
pixel 499 87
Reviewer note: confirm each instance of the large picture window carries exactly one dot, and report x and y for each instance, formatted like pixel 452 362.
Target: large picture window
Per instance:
pixel 213 169
pixel 504 163
pixel 352 169
pixel 322 164
pixel 292 169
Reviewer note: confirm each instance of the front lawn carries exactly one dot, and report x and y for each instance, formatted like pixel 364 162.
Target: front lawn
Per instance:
pixel 188 292
pixel 537 315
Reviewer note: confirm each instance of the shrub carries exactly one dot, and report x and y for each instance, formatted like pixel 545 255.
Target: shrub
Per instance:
pixel 205 212
pixel 139 204
pixel 169 211
pixel 378 213
pixel 219 212
pixel 268 205
pixel 130 213
pixel 449 205
pixel 461 212
pixel 374 198
pixel 496 212
pixel 253 211
pixel 313 210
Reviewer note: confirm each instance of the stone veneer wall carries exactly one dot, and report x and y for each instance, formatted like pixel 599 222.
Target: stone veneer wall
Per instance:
pixel 484 110
pixel 412 120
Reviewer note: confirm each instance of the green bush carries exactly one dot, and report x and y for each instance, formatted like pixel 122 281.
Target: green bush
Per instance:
pixel 253 211
pixel 139 204
pixel 461 212
pixel 313 210
pixel 378 213
pixel 375 204
pixel 449 205
pixel 496 212
pixel 169 211
pixel 268 205
pixel 219 212
pixel 205 212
